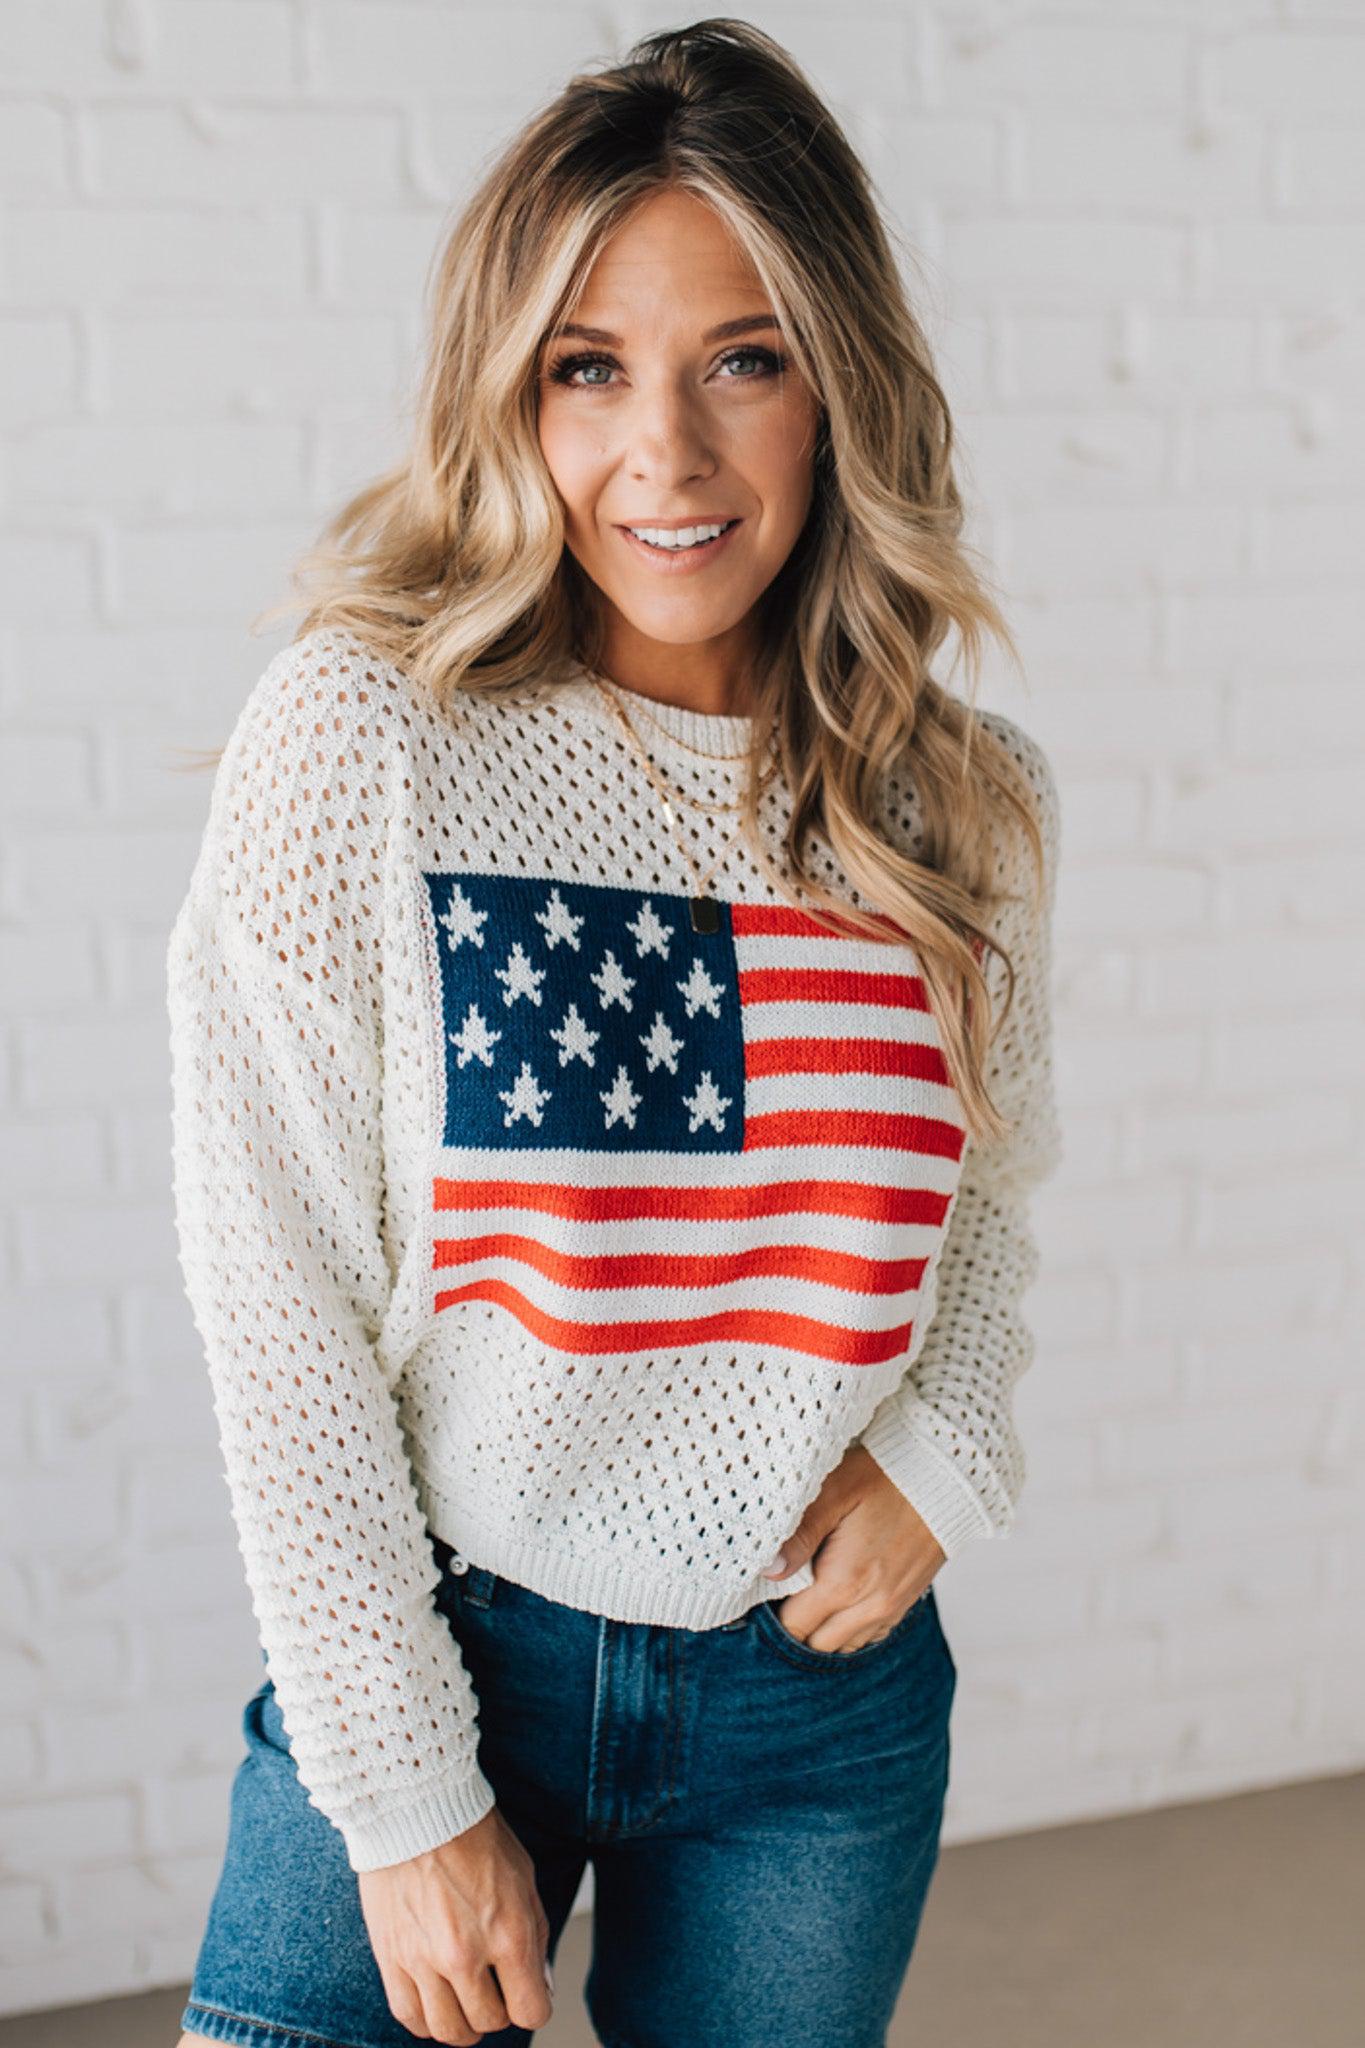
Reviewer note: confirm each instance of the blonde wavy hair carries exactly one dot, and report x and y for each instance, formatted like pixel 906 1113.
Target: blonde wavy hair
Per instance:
pixel 453 565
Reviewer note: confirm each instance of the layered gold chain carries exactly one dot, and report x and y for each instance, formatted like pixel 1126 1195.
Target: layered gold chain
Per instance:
pixel 705 912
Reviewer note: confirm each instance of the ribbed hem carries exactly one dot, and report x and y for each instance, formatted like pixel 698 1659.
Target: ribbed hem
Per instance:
pixel 930 1481
pixel 613 1587
pixel 454 1805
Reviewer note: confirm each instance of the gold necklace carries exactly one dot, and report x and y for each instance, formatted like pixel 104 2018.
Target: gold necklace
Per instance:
pixel 705 911
pixel 695 803
pixel 702 753
pixel 605 688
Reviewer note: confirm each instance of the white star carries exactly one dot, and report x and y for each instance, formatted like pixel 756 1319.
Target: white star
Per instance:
pixel 650 933
pixel 559 922
pixel 699 991
pixel 620 1100
pixel 661 1047
pixel 611 982
pixel 519 977
pixel 525 1098
pixel 474 1040
pixel 461 920
pixel 574 1039
pixel 706 1104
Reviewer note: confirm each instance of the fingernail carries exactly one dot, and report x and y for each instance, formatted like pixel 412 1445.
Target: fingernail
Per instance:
pixel 777 1567
pixel 549 1977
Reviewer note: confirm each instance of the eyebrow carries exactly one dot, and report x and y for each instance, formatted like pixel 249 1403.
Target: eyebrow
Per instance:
pixel 748 323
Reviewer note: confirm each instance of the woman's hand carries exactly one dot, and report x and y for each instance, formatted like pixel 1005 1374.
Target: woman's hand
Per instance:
pixel 877 1558
pixel 441 1923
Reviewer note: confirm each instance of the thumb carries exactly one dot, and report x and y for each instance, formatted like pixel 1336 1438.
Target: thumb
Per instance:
pixel 800 1546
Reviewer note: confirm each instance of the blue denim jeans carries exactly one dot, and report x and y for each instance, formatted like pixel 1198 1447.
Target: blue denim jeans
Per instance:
pixel 762 1820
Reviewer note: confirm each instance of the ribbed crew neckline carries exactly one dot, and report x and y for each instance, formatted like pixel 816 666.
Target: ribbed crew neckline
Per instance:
pixel 714 732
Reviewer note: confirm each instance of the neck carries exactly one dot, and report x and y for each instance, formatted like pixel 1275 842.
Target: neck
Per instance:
pixel 710 678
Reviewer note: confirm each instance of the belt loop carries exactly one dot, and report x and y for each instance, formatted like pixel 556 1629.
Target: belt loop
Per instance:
pixel 480 1586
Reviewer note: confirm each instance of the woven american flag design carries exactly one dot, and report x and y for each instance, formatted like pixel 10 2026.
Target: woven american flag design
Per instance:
pixel 654 1138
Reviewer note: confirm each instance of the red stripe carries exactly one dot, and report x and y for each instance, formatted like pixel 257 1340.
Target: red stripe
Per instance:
pixel 585 1204
pixel 854 1127
pixel 848 1270
pixel 727 1326
pixel 831 985
pixel 785 920
pixel 843 1056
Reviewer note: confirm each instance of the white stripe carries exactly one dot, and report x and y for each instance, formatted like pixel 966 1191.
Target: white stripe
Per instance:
pixel 562 1166
pixel 844 956
pixel 695 1237
pixel 886 1094
pixel 902 1026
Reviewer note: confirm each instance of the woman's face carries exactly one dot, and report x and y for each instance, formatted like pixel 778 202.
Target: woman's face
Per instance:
pixel 656 419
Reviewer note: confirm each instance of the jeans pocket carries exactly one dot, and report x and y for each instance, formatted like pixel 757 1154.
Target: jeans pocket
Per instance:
pixel 263 1722
pixel 774 1632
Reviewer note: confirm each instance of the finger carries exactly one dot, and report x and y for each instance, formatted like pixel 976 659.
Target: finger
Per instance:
pixel 524 1975
pixel 800 1546
pixel 847 1628
pixel 883 1629
pixel 446 2016
pixel 405 2001
pixel 805 1621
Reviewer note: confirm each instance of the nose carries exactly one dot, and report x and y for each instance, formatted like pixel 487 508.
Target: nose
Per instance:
pixel 668 444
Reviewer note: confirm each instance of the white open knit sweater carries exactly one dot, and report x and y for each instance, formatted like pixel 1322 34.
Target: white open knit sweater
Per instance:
pixel 511 1207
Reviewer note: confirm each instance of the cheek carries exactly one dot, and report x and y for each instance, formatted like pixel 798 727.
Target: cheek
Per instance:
pixel 782 463
pixel 571 461
pixel 559 447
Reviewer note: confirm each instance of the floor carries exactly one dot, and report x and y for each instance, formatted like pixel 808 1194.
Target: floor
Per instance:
pixel 1232 1922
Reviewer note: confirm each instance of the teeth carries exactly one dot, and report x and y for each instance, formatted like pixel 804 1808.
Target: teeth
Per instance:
pixel 685 537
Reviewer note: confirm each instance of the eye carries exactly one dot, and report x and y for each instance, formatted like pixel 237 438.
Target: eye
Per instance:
pixel 567 368
pixel 768 357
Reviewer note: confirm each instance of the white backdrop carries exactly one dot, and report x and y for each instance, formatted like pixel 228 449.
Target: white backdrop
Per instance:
pixel 1139 242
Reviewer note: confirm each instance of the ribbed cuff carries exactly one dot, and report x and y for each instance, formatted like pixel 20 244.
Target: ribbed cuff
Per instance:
pixel 927 1477
pixel 454 1805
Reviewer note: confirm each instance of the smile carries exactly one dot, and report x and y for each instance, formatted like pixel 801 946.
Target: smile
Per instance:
pixel 674 560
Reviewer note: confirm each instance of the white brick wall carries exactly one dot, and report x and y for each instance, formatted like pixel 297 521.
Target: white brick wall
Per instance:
pixel 1138 238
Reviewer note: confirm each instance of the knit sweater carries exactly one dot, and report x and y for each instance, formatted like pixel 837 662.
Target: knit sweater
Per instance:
pixel 510 1207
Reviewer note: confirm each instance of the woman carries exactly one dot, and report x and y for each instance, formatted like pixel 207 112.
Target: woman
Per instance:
pixel 601 1160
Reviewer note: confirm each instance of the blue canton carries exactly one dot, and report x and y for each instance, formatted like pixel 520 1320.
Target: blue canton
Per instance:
pixel 585 1017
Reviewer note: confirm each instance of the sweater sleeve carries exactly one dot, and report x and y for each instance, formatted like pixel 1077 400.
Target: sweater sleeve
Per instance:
pixel 947 1436
pixel 276 1055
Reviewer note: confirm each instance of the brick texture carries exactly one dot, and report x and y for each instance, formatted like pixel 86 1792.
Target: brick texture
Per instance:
pixel 1138 238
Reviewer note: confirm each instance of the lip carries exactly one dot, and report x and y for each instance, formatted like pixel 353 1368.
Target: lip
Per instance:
pixel 677 525
pixel 686 562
